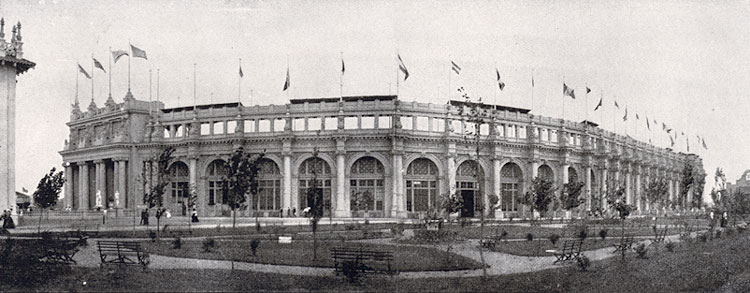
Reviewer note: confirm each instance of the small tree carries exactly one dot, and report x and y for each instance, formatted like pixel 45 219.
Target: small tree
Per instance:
pixel 315 202
pixel 47 192
pixel 155 196
pixel 540 196
pixel 241 178
pixel 571 195
pixel 617 201
pixel 656 192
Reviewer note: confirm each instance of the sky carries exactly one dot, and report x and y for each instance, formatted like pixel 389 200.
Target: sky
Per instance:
pixel 683 63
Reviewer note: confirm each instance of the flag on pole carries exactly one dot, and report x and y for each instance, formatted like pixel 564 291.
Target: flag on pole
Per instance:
pixel 636 117
pixel 98 65
pixel 671 140
pixel 241 74
pixel 648 125
pixel 343 67
pixel 663 126
pixel 117 54
pixel 616 105
pixel 588 90
pixel 687 142
pixel 568 91
pixel 402 67
pixel 669 130
pixel 86 74
pixel 138 53
pixel 500 83
pixel 455 67
pixel 286 83
pixel 625 118
pixel 704 143
pixel 532 79
pixel 598 105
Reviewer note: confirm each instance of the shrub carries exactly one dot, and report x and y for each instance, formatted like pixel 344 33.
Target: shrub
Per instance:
pixel 729 231
pixel 583 234
pixel 669 246
pixel 718 234
pixel 529 237
pixel 152 235
pixel 350 269
pixel 504 235
pixel 177 243
pixel 429 236
pixel 398 230
pixel 583 262
pixel 703 237
pixel 208 244
pixel 257 226
pixel 510 219
pixel 641 250
pixel 464 222
pixel 254 245
pixel 553 238
pixel 603 233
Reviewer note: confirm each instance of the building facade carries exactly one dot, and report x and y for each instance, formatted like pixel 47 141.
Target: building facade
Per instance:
pixel 376 156
pixel 741 185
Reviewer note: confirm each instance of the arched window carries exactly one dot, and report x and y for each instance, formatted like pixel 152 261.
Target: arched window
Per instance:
pixel 367 185
pixel 269 187
pixel 572 175
pixel 215 174
pixel 421 185
pixel 511 179
pixel 319 169
pixel 546 172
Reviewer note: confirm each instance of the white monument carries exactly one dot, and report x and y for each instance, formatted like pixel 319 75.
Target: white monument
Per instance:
pixel 11 65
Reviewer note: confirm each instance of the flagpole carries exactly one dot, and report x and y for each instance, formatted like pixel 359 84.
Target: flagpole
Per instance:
pixel 449 78
pixel 587 103
pixel 157 84
pixel 110 72
pixel 601 114
pixel 341 79
pixel 78 72
pixel 397 75
pixel 131 53
pixel 239 86
pixel 287 75
pixel 496 88
pixel 92 77
pixel 563 101
pixel 195 86
pixel 532 89
pixel 149 93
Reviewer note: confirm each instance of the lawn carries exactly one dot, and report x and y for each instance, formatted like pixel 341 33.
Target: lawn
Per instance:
pixel 300 253
pixel 720 264
pixel 538 247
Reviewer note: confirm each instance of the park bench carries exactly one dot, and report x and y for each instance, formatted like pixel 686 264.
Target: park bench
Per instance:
pixel 659 237
pixel 122 253
pixel 59 250
pixel 626 243
pixel 571 250
pixel 365 259
pixel 685 233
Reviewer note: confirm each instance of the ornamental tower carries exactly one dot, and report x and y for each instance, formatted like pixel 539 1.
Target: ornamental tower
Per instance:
pixel 11 65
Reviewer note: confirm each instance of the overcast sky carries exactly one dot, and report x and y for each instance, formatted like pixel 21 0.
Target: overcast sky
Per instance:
pixel 684 63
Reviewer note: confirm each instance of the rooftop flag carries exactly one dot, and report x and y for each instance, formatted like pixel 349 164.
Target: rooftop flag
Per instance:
pixel 98 65
pixel 648 125
pixel 402 67
pixel 343 67
pixel 500 83
pixel 241 74
pixel 117 54
pixel 86 74
pixel 704 143
pixel 588 90
pixel 637 117
pixel 616 105
pixel 625 118
pixel 568 91
pixel 455 67
pixel 599 105
pixel 138 53
pixel 532 78
pixel 286 83
pixel 671 140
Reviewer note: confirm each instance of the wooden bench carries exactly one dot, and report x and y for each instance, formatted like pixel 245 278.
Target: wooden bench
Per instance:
pixel 488 243
pixel 365 259
pixel 626 243
pixel 122 253
pixel 571 250
pixel 59 250
pixel 659 237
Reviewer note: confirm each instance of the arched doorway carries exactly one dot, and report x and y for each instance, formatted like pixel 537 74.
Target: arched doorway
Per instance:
pixel 215 174
pixel 320 170
pixel 545 172
pixel 179 188
pixel 367 187
pixel 511 186
pixel 421 186
pixel 268 200
pixel 469 177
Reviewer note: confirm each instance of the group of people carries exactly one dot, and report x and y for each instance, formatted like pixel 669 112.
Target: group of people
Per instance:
pixel 164 212
pixel 7 220
pixel 289 212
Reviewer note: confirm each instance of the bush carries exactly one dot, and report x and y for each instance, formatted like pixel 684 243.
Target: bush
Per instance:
pixel 177 243
pixel 553 238
pixel 504 235
pixel 350 269
pixel 603 233
pixel 529 237
pixel 152 235
pixel 729 231
pixel 582 234
pixel 670 246
pixel 429 236
pixel 583 262
pixel 641 250
pixel 208 244
pixel 254 245
pixel 718 234
pixel 703 237
pixel 398 230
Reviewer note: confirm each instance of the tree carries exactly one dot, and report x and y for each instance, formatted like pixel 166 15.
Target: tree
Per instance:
pixel 241 178
pixel 155 196
pixel 315 201
pixel 656 192
pixel 617 201
pixel 47 192
pixel 571 196
pixel 540 196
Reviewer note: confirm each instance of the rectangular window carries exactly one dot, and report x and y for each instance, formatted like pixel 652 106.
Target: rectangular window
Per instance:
pixel 166 132
pixel 332 123
pixel 299 124
pixel 438 125
pixel 205 129
pixel 264 125
pixel 423 123
pixel 368 122
pixel 231 126
pixel 249 126
pixel 384 122
pixel 279 124
pixel 313 124
pixel 407 122
pixel 350 122
pixel 179 131
pixel 219 127
pixel 456 125
pixel 484 129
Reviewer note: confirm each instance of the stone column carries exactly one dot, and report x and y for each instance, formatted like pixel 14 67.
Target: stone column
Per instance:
pixel 193 182
pixel 116 184
pixel 496 181
pixel 83 186
pixel 342 207
pixel 287 196
pixel 397 200
pixel 565 173
pixel 101 187
pixel 603 183
pixel 122 183
pixel 671 189
pixel 628 194
pixel 638 188
pixel 68 185
pixel 587 187
pixel 451 174
pixel 677 183
pixel 534 169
